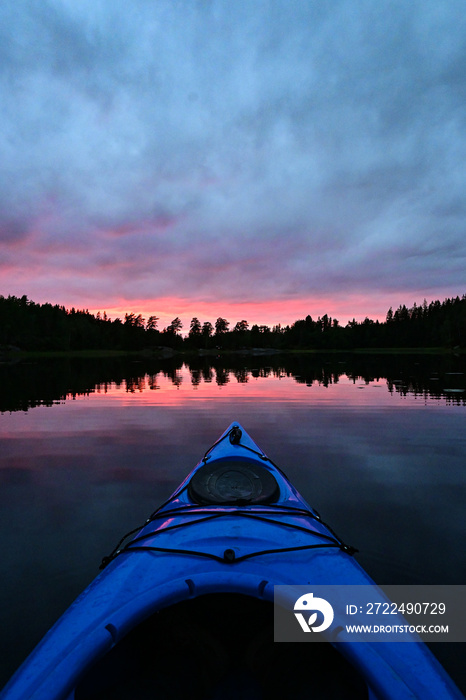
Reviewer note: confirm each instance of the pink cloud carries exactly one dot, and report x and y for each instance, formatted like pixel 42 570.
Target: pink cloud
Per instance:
pixel 158 224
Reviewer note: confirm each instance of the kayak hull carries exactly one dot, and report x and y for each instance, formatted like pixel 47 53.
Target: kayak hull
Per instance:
pixel 190 551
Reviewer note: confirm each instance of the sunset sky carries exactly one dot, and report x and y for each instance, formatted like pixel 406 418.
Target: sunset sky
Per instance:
pixel 256 159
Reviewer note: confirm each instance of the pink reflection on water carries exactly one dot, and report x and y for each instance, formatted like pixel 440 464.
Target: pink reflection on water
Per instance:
pixel 184 386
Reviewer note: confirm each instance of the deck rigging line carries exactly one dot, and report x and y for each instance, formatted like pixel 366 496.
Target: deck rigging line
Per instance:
pixel 229 555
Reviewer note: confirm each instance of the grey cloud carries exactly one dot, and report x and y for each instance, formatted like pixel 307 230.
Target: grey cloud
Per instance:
pixel 327 138
pixel 13 231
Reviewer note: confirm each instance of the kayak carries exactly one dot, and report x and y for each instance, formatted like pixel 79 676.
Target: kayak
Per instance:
pixel 184 605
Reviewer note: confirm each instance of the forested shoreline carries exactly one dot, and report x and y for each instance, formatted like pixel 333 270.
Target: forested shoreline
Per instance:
pixel 30 327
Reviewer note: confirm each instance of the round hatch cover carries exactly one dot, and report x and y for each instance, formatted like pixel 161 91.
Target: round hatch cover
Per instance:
pixel 233 483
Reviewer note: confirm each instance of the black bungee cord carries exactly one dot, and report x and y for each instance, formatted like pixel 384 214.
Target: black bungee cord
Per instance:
pixel 229 556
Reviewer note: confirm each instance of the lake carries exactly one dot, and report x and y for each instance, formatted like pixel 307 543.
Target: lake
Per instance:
pixel 89 448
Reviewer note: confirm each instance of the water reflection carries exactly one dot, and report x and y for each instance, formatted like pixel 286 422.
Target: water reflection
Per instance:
pixel 29 384
pixel 377 444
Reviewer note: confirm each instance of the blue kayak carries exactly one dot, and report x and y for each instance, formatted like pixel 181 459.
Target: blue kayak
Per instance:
pixel 183 607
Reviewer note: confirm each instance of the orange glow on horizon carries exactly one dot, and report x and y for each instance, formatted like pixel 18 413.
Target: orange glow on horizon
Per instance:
pixel 270 313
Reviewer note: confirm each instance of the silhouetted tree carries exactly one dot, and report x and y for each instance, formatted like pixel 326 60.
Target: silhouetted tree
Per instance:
pixel 241 327
pixel 221 326
pixel 195 328
pixel 207 329
pixel 175 326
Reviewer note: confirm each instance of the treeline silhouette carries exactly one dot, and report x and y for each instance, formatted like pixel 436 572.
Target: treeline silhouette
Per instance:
pixel 30 326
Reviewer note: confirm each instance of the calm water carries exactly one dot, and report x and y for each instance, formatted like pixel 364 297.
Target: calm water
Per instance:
pixel 87 450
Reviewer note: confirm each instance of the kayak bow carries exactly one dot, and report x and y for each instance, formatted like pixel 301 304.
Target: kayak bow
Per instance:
pixel 184 604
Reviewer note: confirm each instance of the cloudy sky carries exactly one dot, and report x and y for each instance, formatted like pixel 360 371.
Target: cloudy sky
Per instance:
pixel 258 159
